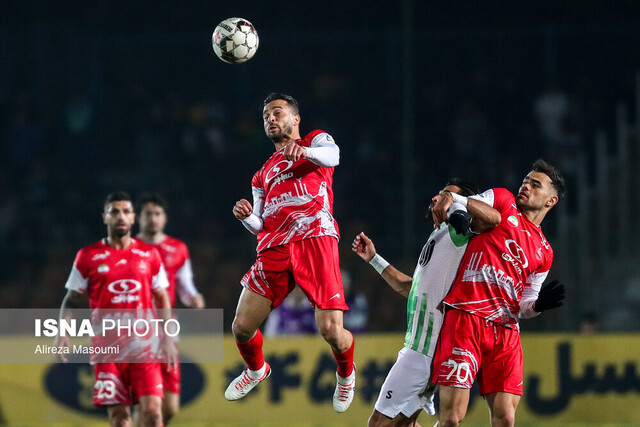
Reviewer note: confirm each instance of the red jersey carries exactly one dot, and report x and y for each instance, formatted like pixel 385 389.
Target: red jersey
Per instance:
pixel 500 265
pixel 298 197
pixel 118 278
pixel 175 257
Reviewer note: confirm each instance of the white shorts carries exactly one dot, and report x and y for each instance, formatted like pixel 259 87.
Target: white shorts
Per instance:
pixel 404 388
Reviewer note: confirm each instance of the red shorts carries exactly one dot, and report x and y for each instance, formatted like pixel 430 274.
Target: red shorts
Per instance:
pixel 125 383
pixel 312 264
pixel 170 379
pixel 471 346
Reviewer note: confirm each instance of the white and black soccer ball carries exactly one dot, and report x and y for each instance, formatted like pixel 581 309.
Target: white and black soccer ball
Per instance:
pixel 235 40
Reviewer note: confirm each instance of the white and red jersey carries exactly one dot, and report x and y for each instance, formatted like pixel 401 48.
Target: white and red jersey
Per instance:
pixel 118 278
pixel 502 265
pixel 298 197
pixel 177 263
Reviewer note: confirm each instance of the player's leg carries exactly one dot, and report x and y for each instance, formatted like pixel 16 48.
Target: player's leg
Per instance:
pixel 119 415
pixel 146 389
pixel 453 405
pixel 402 396
pixel 266 285
pixel 150 410
pixel 502 408
pixel 170 406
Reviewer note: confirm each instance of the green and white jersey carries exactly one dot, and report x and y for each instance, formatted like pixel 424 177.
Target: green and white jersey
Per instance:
pixel 432 280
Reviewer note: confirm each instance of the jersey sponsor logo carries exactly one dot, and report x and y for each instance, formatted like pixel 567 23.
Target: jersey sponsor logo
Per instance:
pixel 103 268
pixel 103 255
pixel 277 169
pixel 517 252
pixel 138 252
pixel 513 220
pixel 282 177
pixel 124 286
pixel 168 248
pixel 124 290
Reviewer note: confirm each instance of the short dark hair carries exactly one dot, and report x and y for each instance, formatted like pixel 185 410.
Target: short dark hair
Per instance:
pixel 557 181
pixel 288 98
pixel 154 198
pixel 116 196
pixel 467 188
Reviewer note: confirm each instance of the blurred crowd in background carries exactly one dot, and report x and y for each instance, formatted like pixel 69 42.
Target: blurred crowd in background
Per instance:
pixel 86 110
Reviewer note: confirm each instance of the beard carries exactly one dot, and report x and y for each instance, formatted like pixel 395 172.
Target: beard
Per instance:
pixel 285 131
pixel 120 232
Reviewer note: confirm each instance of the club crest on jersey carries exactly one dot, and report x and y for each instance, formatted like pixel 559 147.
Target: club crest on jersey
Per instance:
pixel 103 268
pixel 277 169
pixel 143 267
pixel 539 254
pixel 513 220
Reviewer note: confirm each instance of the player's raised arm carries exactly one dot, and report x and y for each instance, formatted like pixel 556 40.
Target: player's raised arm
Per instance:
pixel 483 216
pixel 364 247
pixel 323 151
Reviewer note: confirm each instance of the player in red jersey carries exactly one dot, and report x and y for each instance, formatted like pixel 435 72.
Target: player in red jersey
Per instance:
pixel 120 272
pixel 499 281
pixel 177 263
pixel 297 244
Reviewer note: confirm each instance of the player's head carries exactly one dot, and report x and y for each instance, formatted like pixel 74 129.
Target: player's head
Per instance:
pixel 118 214
pixel 281 117
pixel 152 214
pixel 454 185
pixel 541 188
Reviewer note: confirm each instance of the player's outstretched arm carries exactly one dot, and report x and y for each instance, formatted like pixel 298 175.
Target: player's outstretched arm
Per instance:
pixel 73 299
pixel 484 218
pixel 364 247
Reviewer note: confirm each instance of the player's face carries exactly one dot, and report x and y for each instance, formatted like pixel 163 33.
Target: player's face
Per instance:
pixel 536 192
pixel 434 199
pixel 278 120
pixel 119 217
pixel 152 219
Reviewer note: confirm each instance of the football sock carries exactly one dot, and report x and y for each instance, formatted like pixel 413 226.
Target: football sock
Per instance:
pixel 345 360
pixel 251 352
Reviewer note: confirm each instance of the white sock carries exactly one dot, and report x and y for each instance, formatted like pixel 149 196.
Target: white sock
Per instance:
pixel 256 375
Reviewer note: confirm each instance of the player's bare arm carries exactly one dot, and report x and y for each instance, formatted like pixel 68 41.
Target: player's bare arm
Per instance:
pixel 242 209
pixel 399 282
pixel 485 218
pixel 167 346
pixel 73 299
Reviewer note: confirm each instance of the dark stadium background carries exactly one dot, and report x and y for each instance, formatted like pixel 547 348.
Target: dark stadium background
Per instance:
pixel 99 96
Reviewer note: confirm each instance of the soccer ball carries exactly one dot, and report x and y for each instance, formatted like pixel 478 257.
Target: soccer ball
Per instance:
pixel 235 40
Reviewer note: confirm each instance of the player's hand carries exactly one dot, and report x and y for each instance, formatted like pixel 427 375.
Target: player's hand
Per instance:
pixel 242 209
pixel 62 341
pixel 197 301
pixel 439 210
pixel 168 353
pixel 294 152
pixel 460 220
pixel 550 296
pixel 363 246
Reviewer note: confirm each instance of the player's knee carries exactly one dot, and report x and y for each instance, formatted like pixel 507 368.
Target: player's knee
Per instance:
pixel 151 412
pixel 503 419
pixel 330 330
pixel 243 330
pixel 450 420
pixel 119 417
pixel 169 410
